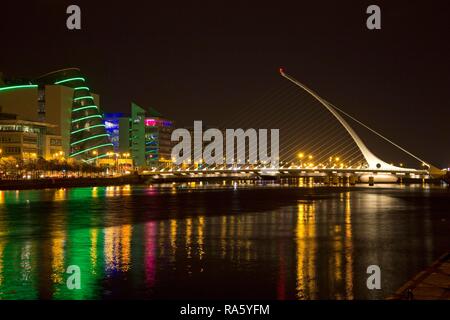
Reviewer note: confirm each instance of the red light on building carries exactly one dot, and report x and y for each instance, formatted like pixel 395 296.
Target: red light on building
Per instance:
pixel 150 122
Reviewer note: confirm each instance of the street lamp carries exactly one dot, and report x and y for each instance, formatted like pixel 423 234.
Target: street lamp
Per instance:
pixel 301 156
pixel 125 164
pixel 116 162
pixel 95 153
pixel 109 154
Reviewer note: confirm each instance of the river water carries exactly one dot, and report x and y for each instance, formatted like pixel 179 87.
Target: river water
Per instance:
pixel 218 241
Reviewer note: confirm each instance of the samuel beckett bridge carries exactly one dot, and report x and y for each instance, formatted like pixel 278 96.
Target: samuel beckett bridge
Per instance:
pixel 334 152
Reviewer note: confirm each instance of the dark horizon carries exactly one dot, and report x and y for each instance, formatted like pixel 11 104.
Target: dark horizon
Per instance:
pixel 207 61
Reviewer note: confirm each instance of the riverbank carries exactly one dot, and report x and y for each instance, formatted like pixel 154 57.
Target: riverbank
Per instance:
pixel 68 182
pixel 433 283
pixel 27 184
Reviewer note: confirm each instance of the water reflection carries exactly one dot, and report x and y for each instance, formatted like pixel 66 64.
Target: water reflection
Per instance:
pixel 150 253
pixel 306 251
pixel 348 248
pixel 181 241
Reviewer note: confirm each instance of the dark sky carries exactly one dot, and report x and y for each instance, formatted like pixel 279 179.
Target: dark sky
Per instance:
pixel 206 60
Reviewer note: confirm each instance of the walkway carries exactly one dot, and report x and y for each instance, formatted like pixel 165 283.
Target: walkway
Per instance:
pixel 433 283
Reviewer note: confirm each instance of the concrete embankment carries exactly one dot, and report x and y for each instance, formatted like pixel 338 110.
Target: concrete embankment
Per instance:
pixel 433 283
pixel 68 182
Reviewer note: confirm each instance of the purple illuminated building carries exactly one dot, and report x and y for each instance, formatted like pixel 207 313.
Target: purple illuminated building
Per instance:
pixel 145 134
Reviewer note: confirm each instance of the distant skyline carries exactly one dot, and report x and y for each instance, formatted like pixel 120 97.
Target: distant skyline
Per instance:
pixel 207 60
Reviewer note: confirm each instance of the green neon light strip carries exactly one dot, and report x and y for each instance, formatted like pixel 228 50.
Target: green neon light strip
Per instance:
pixel 90 138
pixel 84 108
pixel 101 156
pixel 82 88
pixel 83 97
pixel 28 86
pixel 89 149
pixel 70 79
pixel 87 128
pixel 85 118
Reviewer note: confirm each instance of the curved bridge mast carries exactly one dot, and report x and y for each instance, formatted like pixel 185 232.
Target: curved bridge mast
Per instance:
pixel 373 161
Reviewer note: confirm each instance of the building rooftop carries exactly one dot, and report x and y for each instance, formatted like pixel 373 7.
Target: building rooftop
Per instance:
pixel 25 122
pixel 154 113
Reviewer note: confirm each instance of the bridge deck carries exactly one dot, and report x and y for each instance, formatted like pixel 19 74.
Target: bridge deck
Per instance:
pixel 296 171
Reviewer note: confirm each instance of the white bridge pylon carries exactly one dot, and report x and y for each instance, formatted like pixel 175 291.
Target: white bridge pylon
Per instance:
pixel 373 161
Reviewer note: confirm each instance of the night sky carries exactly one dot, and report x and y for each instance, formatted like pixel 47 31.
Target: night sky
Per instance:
pixel 205 60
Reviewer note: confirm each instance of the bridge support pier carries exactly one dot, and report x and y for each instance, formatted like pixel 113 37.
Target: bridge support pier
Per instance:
pixel 334 179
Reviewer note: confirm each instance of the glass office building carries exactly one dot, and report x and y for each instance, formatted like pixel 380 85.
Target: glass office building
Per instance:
pixel 145 134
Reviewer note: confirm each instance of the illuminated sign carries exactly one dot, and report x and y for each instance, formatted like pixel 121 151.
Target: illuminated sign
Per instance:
pixel 151 122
